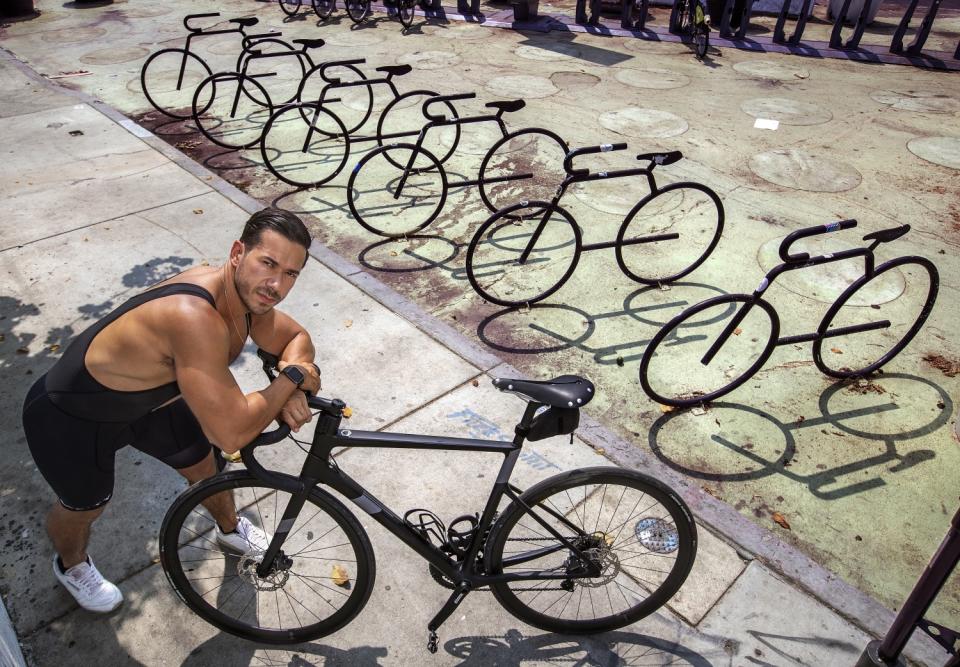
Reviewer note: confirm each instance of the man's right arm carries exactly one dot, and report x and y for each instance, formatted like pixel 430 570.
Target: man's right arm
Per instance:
pixel 199 342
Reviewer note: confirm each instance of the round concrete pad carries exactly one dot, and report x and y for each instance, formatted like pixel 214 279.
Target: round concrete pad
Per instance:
pixel 769 69
pixel 826 282
pixel 73 35
pixel 114 56
pixel 800 170
pixel 523 86
pixel 944 151
pixel 546 51
pixel 644 123
pixel 144 12
pixel 457 31
pixel 615 196
pixel 788 112
pixel 654 78
pixel 430 59
pixel 354 38
pixel 916 100
pixel 574 82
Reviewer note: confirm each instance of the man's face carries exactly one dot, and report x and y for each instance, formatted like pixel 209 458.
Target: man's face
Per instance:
pixel 266 273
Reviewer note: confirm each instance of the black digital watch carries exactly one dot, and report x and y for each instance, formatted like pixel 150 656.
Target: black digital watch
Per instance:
pixel 294 374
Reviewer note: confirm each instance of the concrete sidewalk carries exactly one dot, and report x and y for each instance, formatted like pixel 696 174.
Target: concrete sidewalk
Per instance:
pixel 98 208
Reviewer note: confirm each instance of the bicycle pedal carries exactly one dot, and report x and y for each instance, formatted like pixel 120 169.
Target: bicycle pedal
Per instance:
pixel 433 642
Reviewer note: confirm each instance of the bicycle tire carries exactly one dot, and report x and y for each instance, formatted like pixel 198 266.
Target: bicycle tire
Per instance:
pixel 189 561
pixel 245 58
pixel 349 119
pixel 699 226
pixel 286 4
pixel 249 135
pixel 157 97
pixel 636 532
pixel 394 124
pixel 701 35
pixel 534 152
pixel 326 150
pixel 406 10
pixel 378 202
pixel 688 357
pixel 677 16
pixel 494 253
pixel 323 8
pixel 849 293
pixel 358 10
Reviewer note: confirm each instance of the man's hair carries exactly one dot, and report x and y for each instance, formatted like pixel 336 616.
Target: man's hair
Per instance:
pixel 283 222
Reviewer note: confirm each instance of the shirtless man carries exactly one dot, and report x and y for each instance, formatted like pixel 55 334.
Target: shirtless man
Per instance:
pixel 154 374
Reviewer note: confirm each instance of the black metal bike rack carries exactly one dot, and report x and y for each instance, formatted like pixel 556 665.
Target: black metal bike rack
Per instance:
pixel 836 35
pixel 886 653
pixel 896 45
pixel 727 18
pixel 779 36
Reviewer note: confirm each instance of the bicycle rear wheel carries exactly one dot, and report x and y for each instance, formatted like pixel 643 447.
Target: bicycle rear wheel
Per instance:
pixel 358 10
pixel 526 165
pixel 304 145
pixel 325 569
pixel 865 328
pixel 691 210
pixel 523 253
pixel 396 201
pixel 406 9
pixel 633 528
pixel 673 370
pixel 289 7
pixel 169 79
pixel 228 109
pixel 323 8
pixel 701 33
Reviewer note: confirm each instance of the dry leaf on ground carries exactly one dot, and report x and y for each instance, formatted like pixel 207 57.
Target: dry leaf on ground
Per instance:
pixel 340 576
pixel 781 520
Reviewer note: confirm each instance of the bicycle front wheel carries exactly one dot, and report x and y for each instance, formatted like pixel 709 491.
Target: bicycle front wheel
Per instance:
pixel 646 251
pixel 358 10
pixel 169 79
pixel 323 576
pixel 675 368
pixel 526 165
pixel 396 201
pixel 304 145
pixel 635 542
pixel 231 109
pixel 873 319
pixel 523 253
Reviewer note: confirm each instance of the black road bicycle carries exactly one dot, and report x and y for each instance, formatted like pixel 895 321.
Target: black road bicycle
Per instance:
pixel 525 252
pixel 688 18
pixel 713 347
pixel 358 10
pixel 584 551
pixel 400 188
pixel 169 77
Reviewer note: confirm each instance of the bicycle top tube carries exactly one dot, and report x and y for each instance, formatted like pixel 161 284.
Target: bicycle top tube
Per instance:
pixel 241 23
pixel 807 232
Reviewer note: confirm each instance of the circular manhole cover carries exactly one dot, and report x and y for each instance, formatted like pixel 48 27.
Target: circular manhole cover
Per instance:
pixel 73 35
pixel 644 123
pixel 430 59
pixel 574 81
pixel 786 111
pixel 944 151
pixel 114 56
pixel 524 86
pixel 652 78
pixel 800 170
pixel 916 100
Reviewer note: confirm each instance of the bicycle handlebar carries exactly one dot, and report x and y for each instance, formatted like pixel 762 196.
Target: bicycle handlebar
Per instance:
pixel 443 98
pixel 810 231
pixel 338 63
pixel 190 17
pixel 602 148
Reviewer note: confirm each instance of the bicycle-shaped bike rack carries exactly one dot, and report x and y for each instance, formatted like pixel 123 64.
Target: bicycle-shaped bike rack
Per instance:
pixel 400 188
pixel 525 252
pixel 306 144
pixel 674 368
pixel 357 10
pixel 170 77
pixel 622 540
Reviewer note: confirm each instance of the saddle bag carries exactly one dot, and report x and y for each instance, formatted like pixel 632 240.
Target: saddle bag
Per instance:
pixel 553 421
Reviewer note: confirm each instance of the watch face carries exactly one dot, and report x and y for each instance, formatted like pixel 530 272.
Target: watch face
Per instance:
pixel 295 374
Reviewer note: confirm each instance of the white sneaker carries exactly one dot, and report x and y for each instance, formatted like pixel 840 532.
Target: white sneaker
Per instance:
pixel 246 537
pixel 88 587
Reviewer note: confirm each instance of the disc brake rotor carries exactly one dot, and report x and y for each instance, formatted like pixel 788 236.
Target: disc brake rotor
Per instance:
pixel 247 569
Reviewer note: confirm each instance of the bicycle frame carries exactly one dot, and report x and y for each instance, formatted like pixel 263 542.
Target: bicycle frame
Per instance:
pixel 793 263
pixel 200 32
pixel 586 176
pixel 318 469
